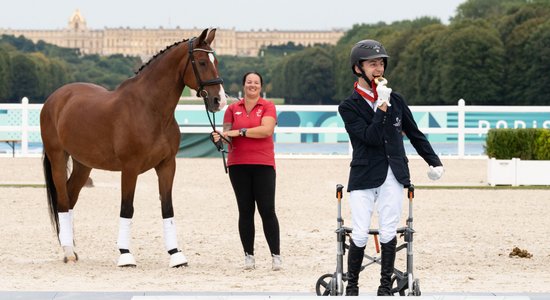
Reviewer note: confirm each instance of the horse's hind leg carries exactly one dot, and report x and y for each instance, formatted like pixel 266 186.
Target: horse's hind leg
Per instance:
pixel 77 180
pixel 58 160
pixel 165 172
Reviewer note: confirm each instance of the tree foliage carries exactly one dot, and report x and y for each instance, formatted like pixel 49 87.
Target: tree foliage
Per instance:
pixel 493 52
pixel 35 70
pixel 308 75
pixel 25 74
pixel 5 78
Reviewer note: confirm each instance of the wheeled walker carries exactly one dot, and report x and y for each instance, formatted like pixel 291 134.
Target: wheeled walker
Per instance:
pixel 403 283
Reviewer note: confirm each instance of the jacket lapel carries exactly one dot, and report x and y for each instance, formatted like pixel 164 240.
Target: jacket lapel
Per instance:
pixel 364 107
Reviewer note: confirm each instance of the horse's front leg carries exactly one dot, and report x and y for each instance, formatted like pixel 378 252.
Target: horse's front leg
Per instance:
pixel 128 187
pixel 165 172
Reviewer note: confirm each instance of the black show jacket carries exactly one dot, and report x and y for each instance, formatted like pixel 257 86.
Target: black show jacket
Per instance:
pixel 377 141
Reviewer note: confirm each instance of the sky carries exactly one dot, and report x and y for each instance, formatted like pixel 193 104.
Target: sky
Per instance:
pixel 226 14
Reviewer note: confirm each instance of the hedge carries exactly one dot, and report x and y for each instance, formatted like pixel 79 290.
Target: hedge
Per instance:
pixel 525 144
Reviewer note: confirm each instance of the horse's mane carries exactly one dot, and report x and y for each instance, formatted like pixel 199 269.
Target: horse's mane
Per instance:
pixel 158 54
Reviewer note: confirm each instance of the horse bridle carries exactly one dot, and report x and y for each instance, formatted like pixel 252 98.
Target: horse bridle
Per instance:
pixel 201 92
pixel 191 58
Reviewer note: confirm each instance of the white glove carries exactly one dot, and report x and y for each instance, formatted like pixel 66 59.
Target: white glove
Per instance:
pixel 435 172
pixel 383 92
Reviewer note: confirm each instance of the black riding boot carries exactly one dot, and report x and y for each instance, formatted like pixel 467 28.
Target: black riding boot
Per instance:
pixel 387 267
pixel 355 260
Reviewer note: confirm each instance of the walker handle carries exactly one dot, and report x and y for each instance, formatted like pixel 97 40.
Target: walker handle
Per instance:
pixel 410 192
pixel 339 189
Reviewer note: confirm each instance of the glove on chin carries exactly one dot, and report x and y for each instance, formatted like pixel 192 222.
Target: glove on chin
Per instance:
pixel 435 172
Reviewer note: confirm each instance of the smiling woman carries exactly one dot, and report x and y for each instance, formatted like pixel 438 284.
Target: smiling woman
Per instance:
pixel 250 124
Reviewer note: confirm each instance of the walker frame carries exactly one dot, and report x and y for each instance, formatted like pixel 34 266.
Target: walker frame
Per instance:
pixel 332 284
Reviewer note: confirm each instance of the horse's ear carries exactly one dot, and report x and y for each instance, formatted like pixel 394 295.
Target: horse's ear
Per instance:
pixel 211 35
pixel 202 36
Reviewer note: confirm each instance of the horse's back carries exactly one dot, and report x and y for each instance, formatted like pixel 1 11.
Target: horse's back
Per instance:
pixel 76 90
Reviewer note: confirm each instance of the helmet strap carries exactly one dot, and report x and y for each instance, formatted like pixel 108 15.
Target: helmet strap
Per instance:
pixel 364 76
pixel 372 84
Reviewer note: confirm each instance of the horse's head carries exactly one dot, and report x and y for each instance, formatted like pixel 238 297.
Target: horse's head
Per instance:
pixel 203 76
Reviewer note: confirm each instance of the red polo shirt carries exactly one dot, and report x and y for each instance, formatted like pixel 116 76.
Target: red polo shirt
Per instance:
pixel 245 150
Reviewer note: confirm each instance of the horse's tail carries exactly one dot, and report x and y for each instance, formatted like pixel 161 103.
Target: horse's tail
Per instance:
pixel 51 192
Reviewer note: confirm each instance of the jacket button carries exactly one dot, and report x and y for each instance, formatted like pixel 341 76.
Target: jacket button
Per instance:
pixel 388 156
pixel 386 141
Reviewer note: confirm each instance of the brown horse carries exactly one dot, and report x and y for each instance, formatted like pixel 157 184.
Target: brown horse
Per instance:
pixel 131 129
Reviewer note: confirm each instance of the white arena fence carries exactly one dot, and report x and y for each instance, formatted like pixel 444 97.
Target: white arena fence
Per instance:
pixel 453 126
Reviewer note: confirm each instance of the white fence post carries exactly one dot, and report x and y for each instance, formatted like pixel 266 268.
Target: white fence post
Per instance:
pixel 24 126
pixel 461 127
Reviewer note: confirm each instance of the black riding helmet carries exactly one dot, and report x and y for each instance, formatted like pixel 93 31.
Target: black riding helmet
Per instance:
pixel 366 49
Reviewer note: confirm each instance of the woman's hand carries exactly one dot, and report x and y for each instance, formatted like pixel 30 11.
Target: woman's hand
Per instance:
pixel 217 136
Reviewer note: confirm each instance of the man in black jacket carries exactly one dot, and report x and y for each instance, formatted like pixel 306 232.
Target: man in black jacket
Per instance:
pixel 376 121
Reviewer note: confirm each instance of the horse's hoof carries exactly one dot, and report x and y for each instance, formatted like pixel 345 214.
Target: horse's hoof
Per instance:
pixel 71 259
pixel 126 260
pixel 70 255
pixel 178 260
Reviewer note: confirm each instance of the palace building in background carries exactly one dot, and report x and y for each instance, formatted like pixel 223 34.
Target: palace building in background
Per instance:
pixel 147 42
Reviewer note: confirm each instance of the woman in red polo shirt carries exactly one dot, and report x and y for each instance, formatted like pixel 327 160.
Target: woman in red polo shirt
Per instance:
pixel 250 123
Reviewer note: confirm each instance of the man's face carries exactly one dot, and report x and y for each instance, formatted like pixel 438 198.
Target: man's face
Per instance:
pixel 373 67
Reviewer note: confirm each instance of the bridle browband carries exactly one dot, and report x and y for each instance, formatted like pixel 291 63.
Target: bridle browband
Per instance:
pixel 201 92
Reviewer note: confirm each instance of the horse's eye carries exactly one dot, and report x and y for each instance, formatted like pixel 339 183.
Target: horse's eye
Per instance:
pixel 202 63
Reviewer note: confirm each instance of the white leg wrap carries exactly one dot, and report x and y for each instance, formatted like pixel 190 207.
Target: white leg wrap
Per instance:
pixel 65 229
pixel 170 237
pixel 124 227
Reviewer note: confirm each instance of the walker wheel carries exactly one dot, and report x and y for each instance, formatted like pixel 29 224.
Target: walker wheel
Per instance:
pixel 325 286
pixel 416 288
pixel 395 285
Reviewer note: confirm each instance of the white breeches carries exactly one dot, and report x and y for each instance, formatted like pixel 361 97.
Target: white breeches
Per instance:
pixel 388 199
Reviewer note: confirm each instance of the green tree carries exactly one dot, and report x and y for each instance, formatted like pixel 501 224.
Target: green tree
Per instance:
pixel 5 82
pixel 279 80
pixel 309 77
pixel 538 73
pixel 416 75
pixel 59 75
pixel 44 84
pixel 519 31
pixel 24 79
pixel 485 9
pixel 473 64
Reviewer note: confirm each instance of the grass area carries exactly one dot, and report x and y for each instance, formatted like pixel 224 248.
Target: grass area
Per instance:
pixel 21 185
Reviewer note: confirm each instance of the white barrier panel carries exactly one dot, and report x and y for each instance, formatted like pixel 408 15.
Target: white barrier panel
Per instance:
pixel 457 120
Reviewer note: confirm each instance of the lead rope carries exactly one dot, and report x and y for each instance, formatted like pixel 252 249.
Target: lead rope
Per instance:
pixel 219 143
